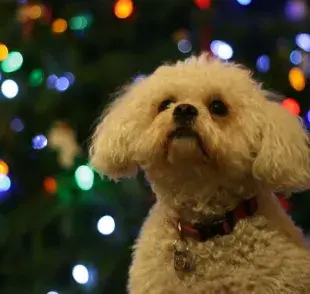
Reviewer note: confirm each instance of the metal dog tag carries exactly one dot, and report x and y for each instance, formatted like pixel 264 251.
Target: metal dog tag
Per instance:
pixel 182 260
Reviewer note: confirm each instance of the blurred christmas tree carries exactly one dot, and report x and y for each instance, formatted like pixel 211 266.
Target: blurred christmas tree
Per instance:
pixel 63 229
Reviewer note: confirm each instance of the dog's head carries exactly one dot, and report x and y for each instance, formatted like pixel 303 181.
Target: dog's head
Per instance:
pixel 203 115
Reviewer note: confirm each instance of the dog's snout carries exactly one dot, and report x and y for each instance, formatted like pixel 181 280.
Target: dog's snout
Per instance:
pixel 185 114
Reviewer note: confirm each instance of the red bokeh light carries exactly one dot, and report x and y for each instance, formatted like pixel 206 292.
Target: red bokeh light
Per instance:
pixel 291 105
pixel 203 4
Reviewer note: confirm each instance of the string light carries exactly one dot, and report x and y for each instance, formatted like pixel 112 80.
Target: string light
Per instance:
pixel 4 52
pixel 39 142
pixel 84 177
pixel 9 89
pixel 291 105
pixel 303 42
pixel 59 26
pixel 13 62
pixel 221 49
pixel 263 63
pixel 35 12
pixel 50 185
pixel 5 183
pixel 80 274
pixel 203 4
pixel 244 2
pixel 62 84
pixel 297 79
pixel 123 8
pixel 79 22
pixel 16 125
pixel 36 77
pixel 4 168
pixel 296 57
pixel 184 46
pixel 106 225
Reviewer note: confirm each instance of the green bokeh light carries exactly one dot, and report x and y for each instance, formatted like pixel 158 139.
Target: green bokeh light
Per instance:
pixel 84 177
pixel 13 62
pixel 36 77
pixel 79 22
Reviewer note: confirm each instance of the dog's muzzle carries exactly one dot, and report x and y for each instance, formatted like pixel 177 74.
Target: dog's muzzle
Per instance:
pixel 185 114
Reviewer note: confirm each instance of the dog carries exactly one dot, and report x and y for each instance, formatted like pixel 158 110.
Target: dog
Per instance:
pixel 214 150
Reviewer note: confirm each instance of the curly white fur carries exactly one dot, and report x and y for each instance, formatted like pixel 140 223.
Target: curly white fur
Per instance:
pixel 256 149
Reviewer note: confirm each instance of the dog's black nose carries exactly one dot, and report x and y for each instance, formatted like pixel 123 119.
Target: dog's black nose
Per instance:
pixel 185 114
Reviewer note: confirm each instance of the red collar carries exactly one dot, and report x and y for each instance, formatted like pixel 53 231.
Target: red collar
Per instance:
pixel 219 227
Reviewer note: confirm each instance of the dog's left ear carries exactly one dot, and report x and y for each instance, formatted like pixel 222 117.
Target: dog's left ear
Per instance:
pixel 283 161
pixel 110 150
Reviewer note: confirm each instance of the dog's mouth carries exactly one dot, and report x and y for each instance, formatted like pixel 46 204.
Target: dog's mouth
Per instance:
pixel 185 133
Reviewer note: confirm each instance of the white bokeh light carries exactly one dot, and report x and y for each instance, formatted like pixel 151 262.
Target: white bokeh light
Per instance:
pixel 52 292
pixel 80 274
pixel 9 89
pixel 106 225
pixel 221 49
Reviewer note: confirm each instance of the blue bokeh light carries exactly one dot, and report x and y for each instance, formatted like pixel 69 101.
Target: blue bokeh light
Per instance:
pixel 184 46
pixel 303 42
pixel 16 125
pixel 62 84
pixel 39 142
pixel 51 81
pixel 244 2
pixel 263 63
pixel 70 77
pixel 5 183
pixel 221 49
pixel 296 57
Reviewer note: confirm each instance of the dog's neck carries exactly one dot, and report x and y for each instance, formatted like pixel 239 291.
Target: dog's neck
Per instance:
pixel 194 199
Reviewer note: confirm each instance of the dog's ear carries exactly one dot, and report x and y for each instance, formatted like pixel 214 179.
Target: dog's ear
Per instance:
pixel 110 150
pixel 283 161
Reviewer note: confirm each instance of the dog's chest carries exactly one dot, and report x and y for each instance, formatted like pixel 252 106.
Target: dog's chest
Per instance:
pixel 234 263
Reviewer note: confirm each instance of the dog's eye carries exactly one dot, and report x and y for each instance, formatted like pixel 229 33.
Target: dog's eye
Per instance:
pixel 165 104
pixel 218 107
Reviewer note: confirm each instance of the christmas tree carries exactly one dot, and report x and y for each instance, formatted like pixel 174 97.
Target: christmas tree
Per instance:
pixel 63 228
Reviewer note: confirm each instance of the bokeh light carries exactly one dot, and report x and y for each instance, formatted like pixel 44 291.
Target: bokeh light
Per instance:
pixel 62 84
pixel 35 12
pixel 9 89
pixel 296 57
pixel 16 124
pixel 308 117
pixel 184 46
pixel 52 292
pixel 123 8
pixel 4 52
pixel 291 105
pixel 203 4
pixel 5 183
pixel 106 225
pixel 80 274
pixel 295 9
pixel 70 77
pixel 59 26
pixel 39 142
pixel 36 77
pixel 303 42
pixel 79 22
pixel 51 81
pixel 4 168
pixel 84 177
pixel 263 63
pixel 13 62
pixel 244 2
pixel 50 185
pixel 297 79
pixel 221 49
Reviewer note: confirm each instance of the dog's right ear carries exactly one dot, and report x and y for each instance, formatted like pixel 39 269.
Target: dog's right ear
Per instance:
pixel 110 151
